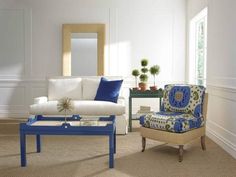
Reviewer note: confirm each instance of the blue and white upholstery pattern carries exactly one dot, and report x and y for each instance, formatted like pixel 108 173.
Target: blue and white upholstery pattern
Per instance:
pixel 171 121
pixel 181 110
pixel 184 98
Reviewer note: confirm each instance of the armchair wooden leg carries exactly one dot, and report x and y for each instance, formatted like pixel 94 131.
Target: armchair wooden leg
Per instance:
pixel 203 142
pixel 143 144
pixel 181 151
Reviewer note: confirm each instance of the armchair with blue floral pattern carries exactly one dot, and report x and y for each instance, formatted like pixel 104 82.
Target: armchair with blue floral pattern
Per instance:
pixel 181 119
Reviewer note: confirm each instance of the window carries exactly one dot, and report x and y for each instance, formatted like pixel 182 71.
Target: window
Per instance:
pixel 198 48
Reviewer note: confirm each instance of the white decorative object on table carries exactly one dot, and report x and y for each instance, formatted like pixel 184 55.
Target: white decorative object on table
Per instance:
pixel 65 105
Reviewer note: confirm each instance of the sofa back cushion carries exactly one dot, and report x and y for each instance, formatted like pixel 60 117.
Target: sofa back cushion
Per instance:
pixel 65 87
pixel 90 87
pixel 184 98
pixel 108 90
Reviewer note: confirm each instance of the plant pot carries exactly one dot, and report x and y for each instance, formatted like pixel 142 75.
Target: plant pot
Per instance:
pixel 142 86
pixel 135 88
pixel 153 88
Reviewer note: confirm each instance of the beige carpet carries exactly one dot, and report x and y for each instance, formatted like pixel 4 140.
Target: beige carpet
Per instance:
pixel 77 156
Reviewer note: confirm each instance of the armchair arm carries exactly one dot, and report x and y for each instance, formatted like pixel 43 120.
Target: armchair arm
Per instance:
pixel 42 99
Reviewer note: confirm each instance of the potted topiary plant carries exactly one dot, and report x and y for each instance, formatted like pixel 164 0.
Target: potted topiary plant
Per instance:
pixel 154 70
pixel 143 84
pixel 136 73
pixel 143 77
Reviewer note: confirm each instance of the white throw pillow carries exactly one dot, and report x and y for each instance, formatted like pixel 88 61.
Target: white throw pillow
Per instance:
pixel 90 87
pixel 60 88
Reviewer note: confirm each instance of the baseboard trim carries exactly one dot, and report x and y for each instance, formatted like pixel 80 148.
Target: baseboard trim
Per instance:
pixel 12 120
pixel 9 126
pixel 221 141
pixel 9 115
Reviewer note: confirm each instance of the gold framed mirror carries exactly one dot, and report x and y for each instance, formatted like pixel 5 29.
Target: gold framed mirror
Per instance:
pixel 68 30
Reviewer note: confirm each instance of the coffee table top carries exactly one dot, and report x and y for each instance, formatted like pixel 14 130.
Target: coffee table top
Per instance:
pixel 72 123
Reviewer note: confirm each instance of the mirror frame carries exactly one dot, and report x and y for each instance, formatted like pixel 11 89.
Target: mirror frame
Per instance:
pixel 67 29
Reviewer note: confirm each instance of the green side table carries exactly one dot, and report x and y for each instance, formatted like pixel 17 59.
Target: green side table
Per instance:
pixel 142 94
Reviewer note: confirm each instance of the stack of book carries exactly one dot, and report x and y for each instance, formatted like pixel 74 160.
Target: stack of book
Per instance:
pixel 143 110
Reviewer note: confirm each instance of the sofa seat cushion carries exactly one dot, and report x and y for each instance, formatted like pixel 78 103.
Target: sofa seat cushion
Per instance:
pixel 177 122
pixel 83 107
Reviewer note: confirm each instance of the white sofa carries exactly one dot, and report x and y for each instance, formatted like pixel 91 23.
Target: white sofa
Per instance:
pixel 82 90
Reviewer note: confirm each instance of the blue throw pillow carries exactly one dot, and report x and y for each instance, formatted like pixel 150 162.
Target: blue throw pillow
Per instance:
pixel 108 90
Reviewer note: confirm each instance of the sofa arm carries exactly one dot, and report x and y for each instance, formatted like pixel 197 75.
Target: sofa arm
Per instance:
pixel 42 99
pixel 121 100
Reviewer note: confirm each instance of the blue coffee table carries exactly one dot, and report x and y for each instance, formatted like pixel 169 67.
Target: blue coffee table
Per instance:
pixel 75 125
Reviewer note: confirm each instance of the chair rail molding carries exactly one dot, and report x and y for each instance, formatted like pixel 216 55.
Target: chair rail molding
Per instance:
pixel 227 93
pixel 18 94
pixel 223 83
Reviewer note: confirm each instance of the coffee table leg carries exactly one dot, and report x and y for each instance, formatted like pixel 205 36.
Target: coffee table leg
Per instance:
pixel 23 149
pixel 111 150
pixel 38 143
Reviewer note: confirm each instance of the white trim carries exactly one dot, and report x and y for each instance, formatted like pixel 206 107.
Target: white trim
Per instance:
pixel 21 80
pixel 221 141
pixel 222 134
pixel 222 88
pixel 200 15
pixel 10 114
pixel 222 93
pixel 229 133
pixel 224 82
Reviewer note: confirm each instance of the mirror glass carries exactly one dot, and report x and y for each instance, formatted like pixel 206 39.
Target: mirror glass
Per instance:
pixel 83 54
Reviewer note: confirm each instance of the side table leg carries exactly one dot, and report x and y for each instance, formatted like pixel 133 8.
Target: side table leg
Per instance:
pixel 111 151
pixel 115 141
pixel 38 143
pixel 130 114
pixel 159 104
pixel 23 149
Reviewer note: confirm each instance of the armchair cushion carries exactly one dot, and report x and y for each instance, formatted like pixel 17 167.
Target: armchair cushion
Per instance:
pixel 177 122
pixel 184 98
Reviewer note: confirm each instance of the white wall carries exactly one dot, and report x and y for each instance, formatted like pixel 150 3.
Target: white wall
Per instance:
pixel 194 7
pixel 221 73
pixel 134 29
